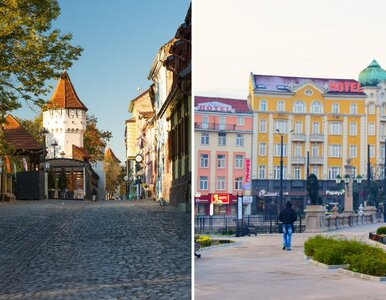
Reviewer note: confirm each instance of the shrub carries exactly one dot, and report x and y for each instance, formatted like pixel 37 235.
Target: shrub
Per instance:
pixel 371 262
pixel 204 241
pixel 335 251
pixel 224 241
pixel 312 243
pixel 381 230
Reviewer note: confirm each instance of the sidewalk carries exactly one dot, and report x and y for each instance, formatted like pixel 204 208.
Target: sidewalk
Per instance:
pixel 258 268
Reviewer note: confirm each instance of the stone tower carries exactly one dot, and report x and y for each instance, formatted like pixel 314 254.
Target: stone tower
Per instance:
pixel 65 120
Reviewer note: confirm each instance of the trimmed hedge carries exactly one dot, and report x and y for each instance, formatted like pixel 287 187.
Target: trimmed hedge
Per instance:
pixel 381 230
pixel 361 257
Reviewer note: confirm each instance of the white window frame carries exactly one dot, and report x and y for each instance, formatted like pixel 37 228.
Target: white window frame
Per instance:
pixel 353 129
pixel 240 121
pixel 372 151
pixel 299 127
pixel 297 173
pixel 221 162
pixel 335 108
pixel 238 183
pixel 335 151
pixel 299 106
pixel 203 183
pixel 204 160
pixel 371 109
pixel 280 106
pixel 315 127
pixel 353 151
pixel 353 109
pixel 371 128
pixel 335 128
pixel 281 125
pixel 315 150
pixel 205 122
pixel 262 149
pixel 277 150
pixel 220 183
pixel 316 107
pixel 239 161
pixel 239 140
pixel 333 172
pixel 262 172
pixel 263 105
pixel 222 139
pixel 263 126
pixel 204 138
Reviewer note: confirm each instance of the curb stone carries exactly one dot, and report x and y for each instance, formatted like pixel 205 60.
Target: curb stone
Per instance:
pixel 362 276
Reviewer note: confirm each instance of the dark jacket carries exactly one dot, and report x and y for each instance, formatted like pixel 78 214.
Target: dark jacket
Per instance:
pixel 287 215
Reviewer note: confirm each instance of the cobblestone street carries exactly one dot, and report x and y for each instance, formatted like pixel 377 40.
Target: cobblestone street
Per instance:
pixel 94 250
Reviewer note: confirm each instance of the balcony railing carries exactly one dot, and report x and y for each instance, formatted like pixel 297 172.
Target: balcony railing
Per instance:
pixel 315 160
pixel 299 137
pixel 298 160
pixel 315 137
pixel 219 127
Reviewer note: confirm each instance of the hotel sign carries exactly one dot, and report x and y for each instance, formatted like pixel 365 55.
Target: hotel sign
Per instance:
pixel 215 106
pixel 220 199
pixel 247 170
pixel 345 86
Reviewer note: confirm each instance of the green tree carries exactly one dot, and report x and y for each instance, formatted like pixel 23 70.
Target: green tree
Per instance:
pixel 113 174
pixel 31 52
pixel 95 139
pixel 34 127
pixel 51 179
pixel 62 183
pixel 313 189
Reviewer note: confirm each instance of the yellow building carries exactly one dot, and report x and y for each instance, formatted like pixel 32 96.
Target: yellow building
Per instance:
pixel 331 119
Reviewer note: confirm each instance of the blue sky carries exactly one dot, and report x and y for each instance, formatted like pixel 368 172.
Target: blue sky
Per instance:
pixel 120 40
pixel 327 39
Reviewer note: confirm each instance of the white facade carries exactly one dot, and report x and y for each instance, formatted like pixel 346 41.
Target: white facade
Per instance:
pixel 66 127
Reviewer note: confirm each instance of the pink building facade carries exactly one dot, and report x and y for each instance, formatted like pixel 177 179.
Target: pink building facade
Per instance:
pixel 223 149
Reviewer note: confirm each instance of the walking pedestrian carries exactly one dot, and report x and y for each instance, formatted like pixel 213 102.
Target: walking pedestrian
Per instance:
pixel 287 216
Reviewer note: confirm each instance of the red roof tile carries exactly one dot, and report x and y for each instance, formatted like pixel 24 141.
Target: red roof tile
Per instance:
pixel 79 153
pixel 110 154
pixel 238 105
pixel 65 95
pixel 18 137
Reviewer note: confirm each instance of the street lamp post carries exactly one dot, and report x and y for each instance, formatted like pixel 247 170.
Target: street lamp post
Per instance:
pixel 54 144
pixel 281 168
pixel 43 133
pixel 384 186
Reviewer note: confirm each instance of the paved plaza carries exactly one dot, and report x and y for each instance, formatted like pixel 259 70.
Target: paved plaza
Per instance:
pixel 258 268
pixel 55 249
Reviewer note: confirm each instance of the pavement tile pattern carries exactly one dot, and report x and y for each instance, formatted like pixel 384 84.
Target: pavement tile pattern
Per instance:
pixel 54 249
pixel 256 267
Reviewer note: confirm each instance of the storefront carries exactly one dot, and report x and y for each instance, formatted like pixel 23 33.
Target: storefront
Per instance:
pixel 222 204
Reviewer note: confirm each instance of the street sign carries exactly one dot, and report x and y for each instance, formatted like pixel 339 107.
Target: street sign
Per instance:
pixel 247 199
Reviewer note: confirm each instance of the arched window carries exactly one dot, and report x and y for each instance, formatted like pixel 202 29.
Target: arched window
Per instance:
pixel 353 109
pixel 371 109
pixel 383 109
pixel 299 106
pixel 335 108
pixel 263 105
pixel 316 107
pixel 280 106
